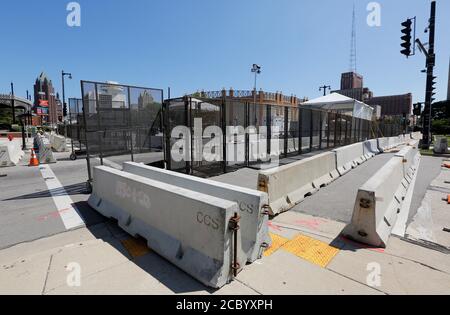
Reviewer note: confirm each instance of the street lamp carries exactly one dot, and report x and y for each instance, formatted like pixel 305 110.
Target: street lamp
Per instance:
pixel 324 88
pixel 13 104
pixel 63 75
pixel 256 69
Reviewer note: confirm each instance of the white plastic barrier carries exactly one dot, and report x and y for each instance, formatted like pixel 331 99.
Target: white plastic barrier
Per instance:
pixel 58 143
pixel 252 204
pixel 10 153
pixel 45 154
pixel 349 157
pixel 188 228
pixel 290 184
pixel 380 199
pixel 370 148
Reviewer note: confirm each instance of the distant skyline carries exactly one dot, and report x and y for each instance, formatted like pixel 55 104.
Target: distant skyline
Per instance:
pixel 190 45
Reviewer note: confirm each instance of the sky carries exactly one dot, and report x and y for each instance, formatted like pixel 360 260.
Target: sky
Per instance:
pixel 191 45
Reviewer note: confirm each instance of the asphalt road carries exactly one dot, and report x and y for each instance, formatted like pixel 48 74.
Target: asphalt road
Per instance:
pixel 336 201
pixel 27 207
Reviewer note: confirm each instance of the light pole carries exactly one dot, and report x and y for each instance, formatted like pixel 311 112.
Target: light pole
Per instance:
pixel 13 104
pixel 63 75
pixel 324 88
pixel 256 69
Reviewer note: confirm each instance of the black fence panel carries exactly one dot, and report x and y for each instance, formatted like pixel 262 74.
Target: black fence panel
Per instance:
pixel 244 134
pixel 121 122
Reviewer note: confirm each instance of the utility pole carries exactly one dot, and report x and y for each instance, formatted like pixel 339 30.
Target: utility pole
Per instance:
pixel 429 92
pixel 324 88
pixel 13 104
pixel 63 75
pixel 430 63
pixel 256 69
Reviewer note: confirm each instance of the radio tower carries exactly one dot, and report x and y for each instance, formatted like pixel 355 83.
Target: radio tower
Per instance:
pixel 353 43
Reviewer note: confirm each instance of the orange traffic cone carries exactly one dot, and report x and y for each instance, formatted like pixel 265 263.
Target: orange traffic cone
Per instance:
pixel 33 161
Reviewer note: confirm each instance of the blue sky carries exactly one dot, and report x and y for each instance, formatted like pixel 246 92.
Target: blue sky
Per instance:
pixel 210 44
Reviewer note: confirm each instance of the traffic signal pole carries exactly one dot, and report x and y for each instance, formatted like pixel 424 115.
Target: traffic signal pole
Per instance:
pixel 429 93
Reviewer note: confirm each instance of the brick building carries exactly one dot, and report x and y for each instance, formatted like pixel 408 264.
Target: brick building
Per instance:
pixel 352 85
pixel 47 106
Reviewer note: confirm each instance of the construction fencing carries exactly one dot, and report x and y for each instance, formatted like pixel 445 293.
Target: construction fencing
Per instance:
pixel 259 133
pixel 120 122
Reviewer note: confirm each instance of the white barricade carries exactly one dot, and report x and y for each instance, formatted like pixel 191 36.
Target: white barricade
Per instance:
pixel 45 154
pixel 190 229
pixel 370 148
pixel 253 204
pixel 379 200
pixel 349 157
pixel 290 184
pixel 58 143
pixel 383 144
pixel 10 152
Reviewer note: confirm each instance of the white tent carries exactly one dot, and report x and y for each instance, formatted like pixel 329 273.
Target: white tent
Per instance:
pixel 336 102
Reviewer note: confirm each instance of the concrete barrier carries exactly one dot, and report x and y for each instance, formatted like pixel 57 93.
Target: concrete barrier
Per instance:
pixel 10 153
pixel 379 201
pixel 410 157
pixel 416 135
pixel 251 203
pixel 370 148
pixel 349 157
pixel 383 144
pixel 190 229
pixel 45 153
pixel 290 184
pixel 393 142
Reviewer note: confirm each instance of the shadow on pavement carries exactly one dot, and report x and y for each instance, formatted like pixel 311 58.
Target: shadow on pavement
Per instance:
pixel 76 189
pixel 156 266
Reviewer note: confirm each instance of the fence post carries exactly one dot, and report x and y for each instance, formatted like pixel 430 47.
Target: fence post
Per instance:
pixel 286 130
pixel 320 130
pixel 328 129
pixel 310 130
pixel 223 110
pixel 269 129
pixel 300 131
pixel 247 136
pixel 187 114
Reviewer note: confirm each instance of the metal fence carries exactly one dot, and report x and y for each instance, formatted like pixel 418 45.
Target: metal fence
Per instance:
pixel 121 123
pixel 289 131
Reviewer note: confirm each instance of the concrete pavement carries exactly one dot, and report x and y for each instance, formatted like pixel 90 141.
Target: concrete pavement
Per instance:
pixel 108 267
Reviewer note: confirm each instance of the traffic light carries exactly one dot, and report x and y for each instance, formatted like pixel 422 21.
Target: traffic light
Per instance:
pixel 431 89
pixel 65 110
pixel 417 109
pixel 406 38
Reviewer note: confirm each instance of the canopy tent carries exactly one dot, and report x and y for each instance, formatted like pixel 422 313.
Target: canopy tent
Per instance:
pixel 336 102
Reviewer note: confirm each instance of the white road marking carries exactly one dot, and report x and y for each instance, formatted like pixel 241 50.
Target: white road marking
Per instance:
pixel 69 215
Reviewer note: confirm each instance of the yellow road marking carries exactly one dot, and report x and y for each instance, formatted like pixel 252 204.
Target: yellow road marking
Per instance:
pixel 277 242
pixel 314 251
pixel 136 247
